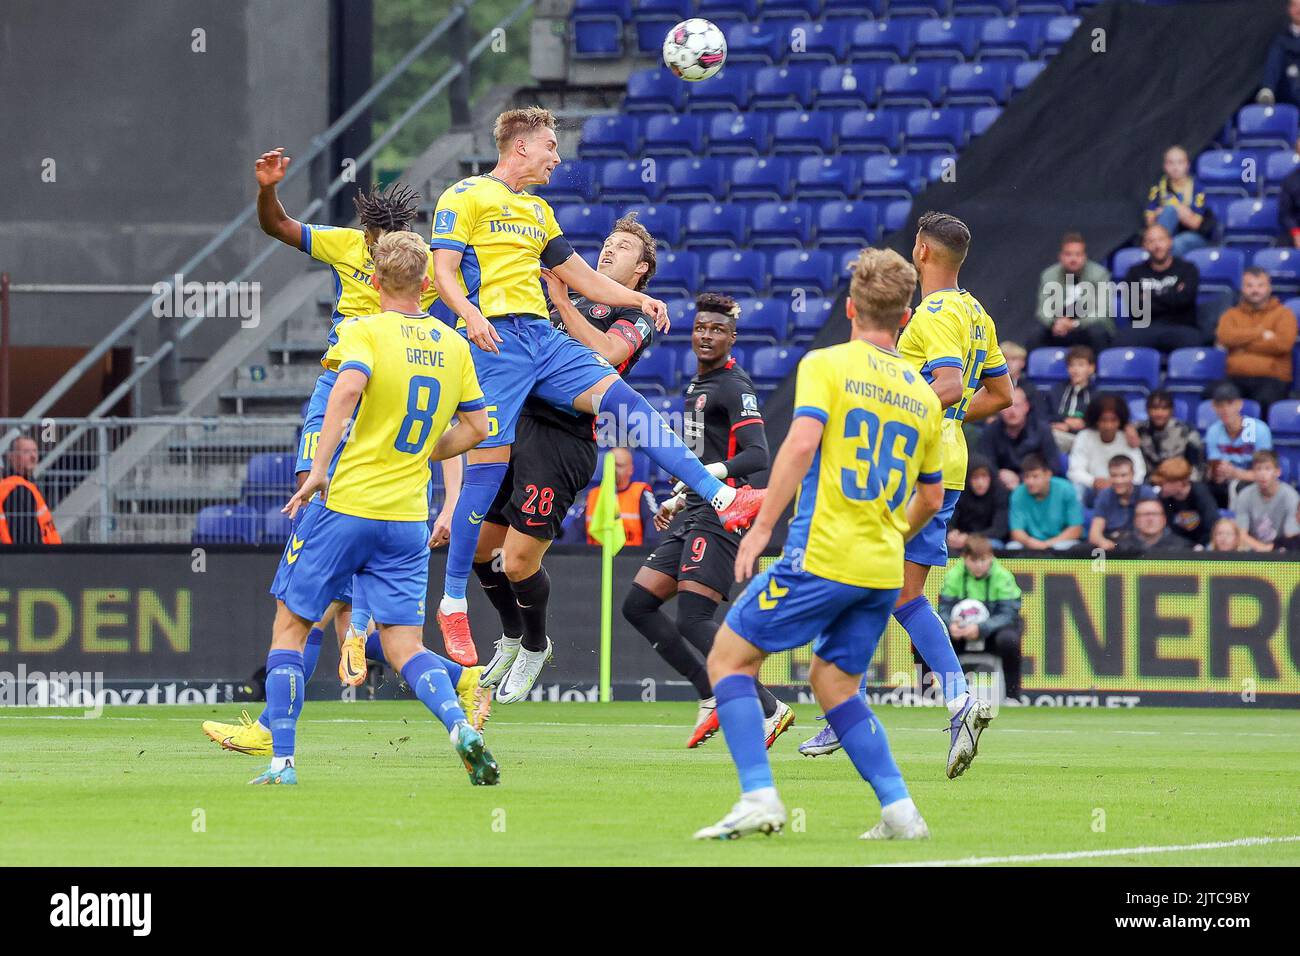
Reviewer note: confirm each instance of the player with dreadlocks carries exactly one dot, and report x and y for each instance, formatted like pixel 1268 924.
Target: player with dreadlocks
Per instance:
pixel 349 254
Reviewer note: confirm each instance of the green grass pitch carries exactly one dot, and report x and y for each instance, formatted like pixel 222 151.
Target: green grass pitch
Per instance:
pixel 613 784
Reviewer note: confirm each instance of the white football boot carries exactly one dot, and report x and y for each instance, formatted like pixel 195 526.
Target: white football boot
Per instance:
pixel 507 649
pixel 523 673
pixel 899 823
pixel 749 815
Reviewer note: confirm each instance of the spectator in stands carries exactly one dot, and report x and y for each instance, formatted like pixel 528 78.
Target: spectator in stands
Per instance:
pixel 1258 334
pixel 982 508
pixel 1162 436
pixel 1073 299
pixel 1045 511
pixel 1016 433
pixel 1163 306
pixel 24 516
pixel 1189 506
pixel 1266 510
pixel 1112 514
pixel 1106 433
pixel 979 577
pixel 1227 536
pixel 1231 443
pixel 1069 402
pixel 1178 203
pixel 1150 531
pixel 1281 80
pixel 636 502
pixel 1017 358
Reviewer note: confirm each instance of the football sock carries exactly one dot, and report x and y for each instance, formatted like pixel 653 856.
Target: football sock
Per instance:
pixel 641 610
pixel 864 741
pixel 766 700
pixel 496 586
pixel 285 685
pixel 930 638
pixel 531 595
pixel 311 652
pixel 427 677
pixel 478 490
pixel 640 426
pixel 375 648
pixel 741 718
pixel 695 620
pixel 360 608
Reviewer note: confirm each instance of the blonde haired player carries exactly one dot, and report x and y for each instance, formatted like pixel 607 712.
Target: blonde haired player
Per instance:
pixel 865 435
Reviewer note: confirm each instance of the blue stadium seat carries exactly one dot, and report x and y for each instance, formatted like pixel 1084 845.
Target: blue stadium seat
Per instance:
pixel 574 181
pixel 854 86
pixel 1277 167
pixel 771 363
pixel 714 224
pixel 1135 368
pixel 695 179
pixel 1284 421
pixel 677 272
pixel 1283 268
pixel 805 9
pixel 1220 268
pixel 809 320
pixel 982 119
pixel 669 11
pixel 269 480
pixel 669 406
pixel 1058 32
pixel 827 41
pixel 736 272
pixel 671 134
pixel 729 90
pixel 1268 126
pixel 851 224
pixel 946 39
pixel 832 177
pixel 1229 172
pixel 613 137
pixel 782 87
pixel 939 164
pixel 997 8
pixel 663 221
pixel 597 37
pixel 650 35
pixel 1289 460
pixel 1010 37
pixel 891 176
pixel 630 181
pixel 656 369
pixel 755 43
pixel 883 40
pixel 776 223
pixel 767 319
pixel 857 9
pixel 878 131
pixel 740 133
pixel 810 270
pixel 654 89
pixel 894 214
pixel 761 178
pixel 681 316
pixel 935 129
pixel 796 131
pixel 584 223
pixel 978 84
pixel 1205 416
pixel 722 11
pixel 276 526
pixel 226 524
pixel 912 84
pixel 1251 223
pixel 1124 259
pixel 1046 366
pixel 1055 8
pixel 1137 409
pixel 613 8
pixel 1192 369
pixel 1025 74
pixel 930 9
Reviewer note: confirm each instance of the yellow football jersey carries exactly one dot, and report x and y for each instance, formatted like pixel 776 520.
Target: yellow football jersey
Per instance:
pixel 345 251
pixel 951 328
pixel 419 374
pixel 882 435
pixel 505 237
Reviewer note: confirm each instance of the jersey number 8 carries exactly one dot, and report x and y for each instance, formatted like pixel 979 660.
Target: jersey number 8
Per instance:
pixel 878 454
pixel 421 403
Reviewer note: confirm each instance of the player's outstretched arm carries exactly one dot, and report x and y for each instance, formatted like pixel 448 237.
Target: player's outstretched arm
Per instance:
pixel 993 395
pixel 338 413
pixel 583 279
pixel 470 429
pixel 612 348
pixel 275 222
pixel 446 264
pixel 792 463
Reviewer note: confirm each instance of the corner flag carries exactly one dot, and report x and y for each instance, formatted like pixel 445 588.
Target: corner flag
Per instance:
pixel 607 528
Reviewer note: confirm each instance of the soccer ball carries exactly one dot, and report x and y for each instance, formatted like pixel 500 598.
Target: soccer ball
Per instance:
pixel 695 49
pixel 969 611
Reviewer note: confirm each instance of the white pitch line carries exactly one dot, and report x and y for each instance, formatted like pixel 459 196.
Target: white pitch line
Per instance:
pixel 1093 854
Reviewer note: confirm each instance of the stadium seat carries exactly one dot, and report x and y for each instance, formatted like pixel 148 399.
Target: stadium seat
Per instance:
pixel 670 134
pixel 776 223
pixel 612 137
pixel 573 181
pixel 740 133
pixel 699 179
pixel 755 43
pixel 584 223
pixel 854 86
pixel 1220 268
pixel 1058 31
pixel 832 177
pixel 681 315
pixel 1125 259
pixel 809 320
pixel 1205 416
pixel 1137 409
pixel 761 178
pixel 1268 126
pixel 987 7
pixel 722 11
pixel 930 9
pixel 796 131
pixel 935 129
pixel 982 119
pixel 978 84
pixel 269 480
pixel 663 221
pixel 825 42
pixel 1228 172
pixel 891 176
pixel 677 272
pixel 276 526
pixel 875 132
pixel 736 272
pixel 890 39
pixel 597 36
pixel 912 84
pixel 1289 460
pixel 654 89
pixel 810 270
pixel 1128 368
pixel 895 214
pixel 1010 38
pixel 766 319
pixel 655 369
pixel 1284 421
pixel 806 9
pixel 1025 74
pixel 1192 369
pixel 630 181
pixel 1251 223
pixel 729 90
pixel 858 9
pixel 226 524
pixel 771 363
pixel 1283 268
pixel 713 224
pixel 782 87
pixel 954 39
pixel 1046 366
pixel 851 224
pixel 1277 167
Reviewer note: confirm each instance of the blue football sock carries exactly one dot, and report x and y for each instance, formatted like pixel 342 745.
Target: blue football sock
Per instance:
pixel 638 425
pixel 427 676
pixel 930 637
pixel 741 717
pixel 360 608
pixel 864 741
pixel 285 686
pixel 453 669
pixel 478 490
pixel 375 648
pixel 311 653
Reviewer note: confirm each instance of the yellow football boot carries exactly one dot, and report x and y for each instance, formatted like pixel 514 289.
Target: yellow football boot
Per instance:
pixel 352 660
pixel 475 699
pixel 246 737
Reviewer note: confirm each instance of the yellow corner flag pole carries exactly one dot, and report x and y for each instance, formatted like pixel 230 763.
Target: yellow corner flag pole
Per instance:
pixel 607 528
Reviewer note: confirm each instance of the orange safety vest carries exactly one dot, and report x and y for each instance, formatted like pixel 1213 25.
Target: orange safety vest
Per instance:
pixel 629 509
pixel 49 534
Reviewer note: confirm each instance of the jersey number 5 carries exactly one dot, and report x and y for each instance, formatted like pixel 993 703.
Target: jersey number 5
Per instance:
pixel 878 454
pixel 421 403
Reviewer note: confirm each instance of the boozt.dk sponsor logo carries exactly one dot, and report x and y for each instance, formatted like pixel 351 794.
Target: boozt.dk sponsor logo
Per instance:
pixel 77 909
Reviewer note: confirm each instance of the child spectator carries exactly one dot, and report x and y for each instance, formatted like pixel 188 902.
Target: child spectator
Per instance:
pixel 1112 515
pixel 1177 203
pixel 1189 505
pixel 1231 443
pixel 1266 510
pixel 1070 399
pixel 1227 536
pixel 982 508
pixel 1258 334
pixel 979 577
pixel 1150 531
pixel 1162 436
pixel 1045 511
pixel 1016 433
pixel 1105 434
pixel 1073 299
pixel 1168 287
